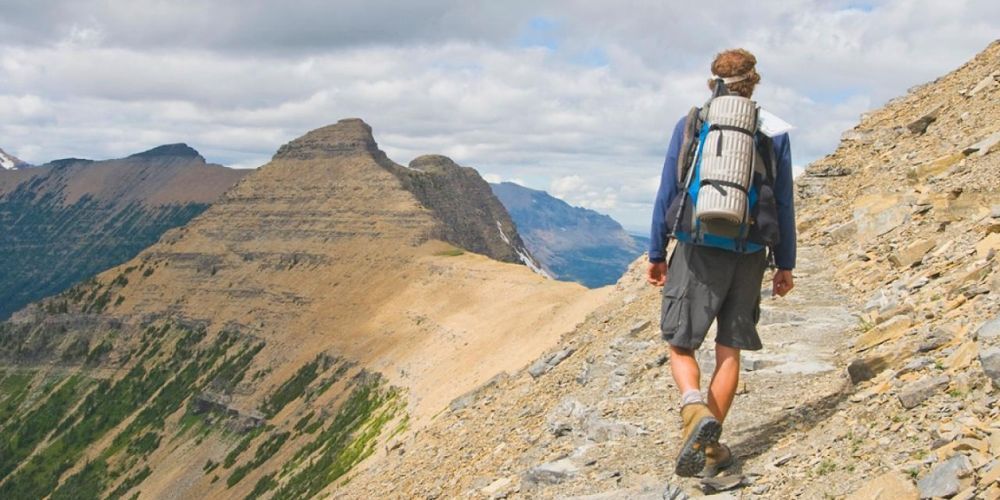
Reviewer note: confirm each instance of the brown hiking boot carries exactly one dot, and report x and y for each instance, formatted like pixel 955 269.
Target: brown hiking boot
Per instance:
pixel 701 429
pixel 717 457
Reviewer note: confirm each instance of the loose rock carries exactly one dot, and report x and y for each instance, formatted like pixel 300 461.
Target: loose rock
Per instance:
pixel 889 486
pixel 943 480
pixel 551 472
pixel 990 361
pixel 917 392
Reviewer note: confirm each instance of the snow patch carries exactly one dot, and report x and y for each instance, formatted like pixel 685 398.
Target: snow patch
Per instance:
pixel 7 163
pixel 525 258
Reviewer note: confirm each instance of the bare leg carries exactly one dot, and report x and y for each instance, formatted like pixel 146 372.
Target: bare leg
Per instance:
pixel 726 378
pixel 685 369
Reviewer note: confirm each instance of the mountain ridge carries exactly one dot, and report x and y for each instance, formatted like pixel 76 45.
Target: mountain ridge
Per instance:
pixel 573 243
pixel 64 221
pixel 318 310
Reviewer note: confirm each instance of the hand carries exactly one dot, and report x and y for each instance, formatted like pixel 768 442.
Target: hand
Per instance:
pixel 782 283
pixel 656 275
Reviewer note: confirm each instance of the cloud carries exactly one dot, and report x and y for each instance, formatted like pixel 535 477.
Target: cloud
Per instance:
pixel 575 97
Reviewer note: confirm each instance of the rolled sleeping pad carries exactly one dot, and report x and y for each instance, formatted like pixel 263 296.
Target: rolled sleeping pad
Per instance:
pixel 727 156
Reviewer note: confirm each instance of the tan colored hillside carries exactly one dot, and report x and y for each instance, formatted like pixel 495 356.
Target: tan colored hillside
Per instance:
pixel 327 316
pixel 323 251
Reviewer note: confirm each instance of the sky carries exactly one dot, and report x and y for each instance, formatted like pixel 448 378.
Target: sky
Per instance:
pixel 577 98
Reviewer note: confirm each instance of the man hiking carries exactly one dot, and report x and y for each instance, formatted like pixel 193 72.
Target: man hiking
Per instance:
pixel 727 231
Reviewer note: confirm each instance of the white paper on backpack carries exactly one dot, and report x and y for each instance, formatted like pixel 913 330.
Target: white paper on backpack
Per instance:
pixel 770 125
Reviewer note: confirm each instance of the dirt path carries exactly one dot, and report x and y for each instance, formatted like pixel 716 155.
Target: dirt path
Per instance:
pixel 795 383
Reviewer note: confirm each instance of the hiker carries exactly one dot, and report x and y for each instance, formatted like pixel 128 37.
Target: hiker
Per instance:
pixel 718 262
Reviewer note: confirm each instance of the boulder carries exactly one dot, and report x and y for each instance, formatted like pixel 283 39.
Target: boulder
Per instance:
pixel 990 361
pixel 984 146
pixel 962 356
pixel 912 253
pixel 989 332
pixel 988 244
pixel 919 126
pixel 935 340
pixel 865 368
pixel 553 472
pixel 638 326
pixel 842 232
pixel 944 479
pixel 889 486
pixel 877 215
pixel 498 488
pixel 826 170
pixel 545 363
pixel 917 392
pixel 988 82
pixel 891 329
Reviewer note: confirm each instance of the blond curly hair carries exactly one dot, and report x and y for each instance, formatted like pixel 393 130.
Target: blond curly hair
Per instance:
pixel 735 62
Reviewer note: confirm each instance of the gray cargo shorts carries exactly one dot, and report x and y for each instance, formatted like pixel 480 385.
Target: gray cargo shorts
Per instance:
pixel 706 284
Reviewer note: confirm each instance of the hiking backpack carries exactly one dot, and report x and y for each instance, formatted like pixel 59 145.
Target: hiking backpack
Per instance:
pixel 725 178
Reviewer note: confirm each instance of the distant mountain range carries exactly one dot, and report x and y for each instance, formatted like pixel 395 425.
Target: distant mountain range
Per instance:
pixel 572 243
pixel 67 220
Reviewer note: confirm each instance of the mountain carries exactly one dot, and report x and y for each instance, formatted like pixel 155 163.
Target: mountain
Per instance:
pixel 880 372
pixel 572 243
pixel 67 220
pixel 328 305
pixel 11 162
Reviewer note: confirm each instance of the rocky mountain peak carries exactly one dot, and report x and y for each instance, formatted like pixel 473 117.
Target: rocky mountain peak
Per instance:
pixel 11 162
pixel 347 137
pixel 179 150
pixel 434 164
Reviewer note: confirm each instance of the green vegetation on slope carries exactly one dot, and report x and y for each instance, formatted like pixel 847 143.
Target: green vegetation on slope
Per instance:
pixel 71 419
pixel 51 425
pixel 48 246
pixel 348 440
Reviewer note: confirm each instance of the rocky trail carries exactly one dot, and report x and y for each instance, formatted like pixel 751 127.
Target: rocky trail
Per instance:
pixel 599 419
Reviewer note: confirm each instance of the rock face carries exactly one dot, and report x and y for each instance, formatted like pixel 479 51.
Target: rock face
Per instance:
pixel 476 221
pixel 572 243
pixel 315 315
pixel 67 220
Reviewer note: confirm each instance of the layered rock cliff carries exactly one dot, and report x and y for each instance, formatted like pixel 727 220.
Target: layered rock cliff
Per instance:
pixel 67 220
pixel 324 306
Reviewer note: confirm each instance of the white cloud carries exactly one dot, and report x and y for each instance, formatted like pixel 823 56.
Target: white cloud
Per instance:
pixel 588 116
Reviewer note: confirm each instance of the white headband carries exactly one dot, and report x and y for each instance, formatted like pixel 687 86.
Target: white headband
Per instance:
pixel 733 79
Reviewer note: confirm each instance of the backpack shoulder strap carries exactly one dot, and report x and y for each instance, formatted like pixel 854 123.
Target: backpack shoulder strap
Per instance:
pixel 685 156
pixel 765 147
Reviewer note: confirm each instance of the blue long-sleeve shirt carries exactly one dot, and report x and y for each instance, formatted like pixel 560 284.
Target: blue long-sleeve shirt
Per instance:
pixel 784 252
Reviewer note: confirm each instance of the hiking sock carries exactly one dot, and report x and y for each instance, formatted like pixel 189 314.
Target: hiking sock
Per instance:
pixel 692 396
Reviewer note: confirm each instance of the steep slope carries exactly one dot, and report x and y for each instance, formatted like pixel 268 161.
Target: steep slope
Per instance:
pixel 309 316
pixel 880 373
pixel 573 243
pixel 433 179
pixel 11 162
pixel 67 220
